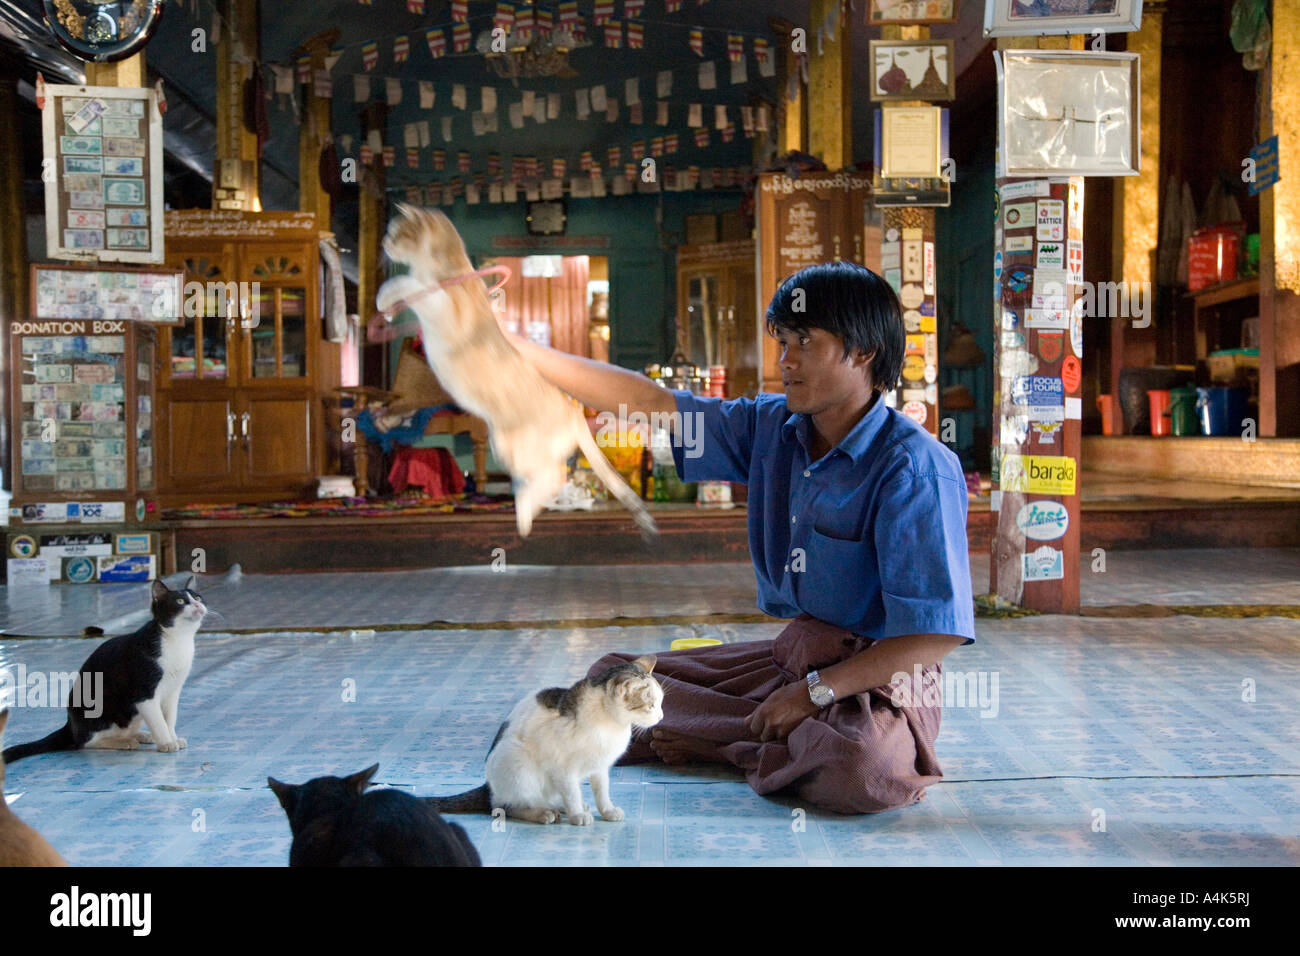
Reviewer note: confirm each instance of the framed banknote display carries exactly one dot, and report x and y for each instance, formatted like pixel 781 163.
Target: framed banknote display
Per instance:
pixel 103 174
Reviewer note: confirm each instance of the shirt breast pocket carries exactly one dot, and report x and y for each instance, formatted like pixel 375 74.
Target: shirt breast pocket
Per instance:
pixel 838 579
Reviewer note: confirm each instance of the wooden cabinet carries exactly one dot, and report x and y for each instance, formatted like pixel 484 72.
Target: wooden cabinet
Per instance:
pixel 819 217
pixel 716 311
pixel 240 404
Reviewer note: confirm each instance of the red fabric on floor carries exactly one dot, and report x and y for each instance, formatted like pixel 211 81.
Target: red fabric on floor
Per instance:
pixel 432 469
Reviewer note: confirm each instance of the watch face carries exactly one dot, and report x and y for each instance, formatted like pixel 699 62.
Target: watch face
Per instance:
pixel 103 30
pixel 821 695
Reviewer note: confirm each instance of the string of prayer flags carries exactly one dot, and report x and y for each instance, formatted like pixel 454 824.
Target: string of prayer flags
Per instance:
pixel 672 6
pixel 545 22
pixel 412 158
pixel 602 11
pixel 729 132
pixel 524 21
pixel 635 36
pixel 569 13
pixel 390 156
pixel 670 143
pixel 460 37
pixel 439 160
pixel 614 34
pixel 735 46
pixel 401 49
pixel 697 41
pixel 505 17
pixel 638 150
pixel 369 55
pixel 657 146
pixel 629 171
pixel 415 6
pixel 766 61
pixel 702 137
pixel 614 156
pixel 632 8
pixel 558 167
pixel 437 40
pixel 462 161
pixel 584 163
pixel 367 155
pixel 460 11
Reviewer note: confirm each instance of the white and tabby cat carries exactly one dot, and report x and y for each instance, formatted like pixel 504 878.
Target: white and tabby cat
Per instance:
pixel 555 738
pixel 534 427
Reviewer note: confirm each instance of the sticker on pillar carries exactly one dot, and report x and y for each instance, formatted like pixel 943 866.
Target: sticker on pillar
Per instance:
pixel 927 324
pixel 913 368
pixel 1018 279
pixel 912 320
pixel 997 264
pixel 927 280
pixel 22 545
pixel 1051 220
pixel 916 411
pixel 1071 374
pixel 927 308
pixel 1019 244
pixel 932 394
pixel 1010 319
pixel 915 344
pixel 913 395
pixel 1014 430
pixel 1076 328
pixel 1013 340
pixel 1076 206
pixel 1028 189
pixel 1051 345
pixel 895 278
pixel 1047 319
pixel 1019 216
pixel 912 264
pixel 997 233
pixel 1044 564
pixel 1049 289
pixel 891 234
pixel 911 296
pixel 1045 433
pixel 1043 520
pixel 1042 394
pixel 931 373
pixel 932 350
pixel 1074 261
pixel 79 570
pixel 1038 474
pixel 1051 255
pixel 891 255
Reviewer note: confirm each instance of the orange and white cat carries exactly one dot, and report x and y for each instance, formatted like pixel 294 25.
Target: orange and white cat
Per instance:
pixel 20 845
pixel 534 427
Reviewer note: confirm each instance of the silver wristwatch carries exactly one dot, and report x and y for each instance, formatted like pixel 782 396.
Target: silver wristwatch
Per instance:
pixel 819 693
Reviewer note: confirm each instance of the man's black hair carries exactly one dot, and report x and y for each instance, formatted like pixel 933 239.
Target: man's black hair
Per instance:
pixel 851 302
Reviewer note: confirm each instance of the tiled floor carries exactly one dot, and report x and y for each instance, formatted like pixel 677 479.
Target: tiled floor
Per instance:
pixel 1108 741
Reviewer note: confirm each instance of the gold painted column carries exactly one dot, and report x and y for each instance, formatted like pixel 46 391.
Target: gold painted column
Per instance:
pixel 315 130
pixel 1279 245
pixel 830 90
pixel 373 214
pixel 13 251
pixel 1136 210
pixel 791 118
pixel 130 72
pixel 236 177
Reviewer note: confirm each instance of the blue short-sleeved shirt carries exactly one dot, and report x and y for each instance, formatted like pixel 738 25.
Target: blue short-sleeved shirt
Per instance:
pixel 878 524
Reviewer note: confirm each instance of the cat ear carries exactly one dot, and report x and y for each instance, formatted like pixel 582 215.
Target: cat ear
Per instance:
pixel 359 781
pixel 286 793
pixel 159 589
pixel 646 663
pixel 192 583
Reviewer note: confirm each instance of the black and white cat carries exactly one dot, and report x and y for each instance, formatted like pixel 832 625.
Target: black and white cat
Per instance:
pixel 129 681
pixel 556 738
pixel 335 822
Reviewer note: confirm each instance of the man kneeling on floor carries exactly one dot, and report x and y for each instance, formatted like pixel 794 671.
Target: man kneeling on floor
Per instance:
pixel 857 528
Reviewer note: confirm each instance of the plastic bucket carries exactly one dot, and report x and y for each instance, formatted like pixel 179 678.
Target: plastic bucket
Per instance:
pixel 1106 405
pixel 1221 410
pixel 1159 399
pixel 1182 412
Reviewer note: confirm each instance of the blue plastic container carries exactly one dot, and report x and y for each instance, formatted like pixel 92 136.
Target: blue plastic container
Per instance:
pixel 1221 410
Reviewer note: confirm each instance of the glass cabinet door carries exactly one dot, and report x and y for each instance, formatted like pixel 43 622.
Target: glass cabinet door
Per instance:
pixel 704 318
pixel 275 320
pixel 144 353
pixel 199 347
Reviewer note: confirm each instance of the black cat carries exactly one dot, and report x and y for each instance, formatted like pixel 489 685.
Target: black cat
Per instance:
pixel 335 822
pixel 131 680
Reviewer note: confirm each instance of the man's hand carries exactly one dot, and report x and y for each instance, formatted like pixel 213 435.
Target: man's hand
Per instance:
pixel 781 713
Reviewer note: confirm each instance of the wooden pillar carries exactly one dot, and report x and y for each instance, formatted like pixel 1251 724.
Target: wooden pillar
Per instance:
pixel 13 251
pixel 1037 413
pixel 129 73
pixel 314 132
pixel 791 119
pixel 830 90
pixel 1279 221
pixel 1136 209
pixel 236 177
pixel 373 213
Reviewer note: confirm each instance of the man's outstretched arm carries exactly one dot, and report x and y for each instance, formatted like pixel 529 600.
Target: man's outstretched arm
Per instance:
pixel 598 385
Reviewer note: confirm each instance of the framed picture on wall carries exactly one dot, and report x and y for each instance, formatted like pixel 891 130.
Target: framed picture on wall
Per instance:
pixel 912 11
pixel 912 70
pixel 1041 17
pixel 911 142
pixel 1065 112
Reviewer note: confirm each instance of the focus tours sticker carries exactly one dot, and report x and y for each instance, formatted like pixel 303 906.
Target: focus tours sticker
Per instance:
pixel 1043 520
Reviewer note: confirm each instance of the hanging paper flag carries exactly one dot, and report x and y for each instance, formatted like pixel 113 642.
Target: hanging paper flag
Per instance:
pixel 413 195
pixel 361 89
pixel 480 180
pixel 545 22
pixel 552 105
pixel 558 167
pixel 569 13
pixel 614 34
pixel 446 129
pixel 761 52
pixel 505 17
pixel 729 133
pixel 661 113
pixel 322 85
pixel 439 160
pixel 632 8
pixel 524 20
pixel 494 163
pixel 415 6
pixel 460 37
pixel 462 161
pixel 531 167
pixel 367 155
pixel 638 150
pixel 603 10
pixel 460 11
pixel 670 143
pixel 614 156
pixel 611 110
pixel 304 69
pixel 401 49
pixel 635 36
pixel 412 158
pixel 390 156
pixel 427 94
pixel 369 55
pixel 735 46
pixel 739 71
pixel 489 99
pixel 585 162
pixel 437 40
pixel 761 119
pixel 332 58
pixel 697 41
pixel 424 134
pixel 702 137
pixel 394 90
pixel 629 171
pixel 747 119
pixel 708 75
pixel 720 117
pixel 634 114
pixel 695 115
pixel 657 146
pixel 672 6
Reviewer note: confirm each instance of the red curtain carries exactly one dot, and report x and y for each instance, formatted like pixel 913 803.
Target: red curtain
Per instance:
pixel 558 302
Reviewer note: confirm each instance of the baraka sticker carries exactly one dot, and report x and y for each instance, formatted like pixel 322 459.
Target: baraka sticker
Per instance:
pixel 1038 474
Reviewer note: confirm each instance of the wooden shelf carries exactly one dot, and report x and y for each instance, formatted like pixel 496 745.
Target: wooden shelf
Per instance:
pixel 1226 292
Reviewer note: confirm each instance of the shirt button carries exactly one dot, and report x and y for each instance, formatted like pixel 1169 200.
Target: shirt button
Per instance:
pixel 807 474
pixel 787 569
pixel 793 519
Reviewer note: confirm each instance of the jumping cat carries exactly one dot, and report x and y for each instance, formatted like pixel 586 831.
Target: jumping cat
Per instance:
pixel 20 845
pixel 130 680
pixel 336 823
pixel 534 426
pixel 555 738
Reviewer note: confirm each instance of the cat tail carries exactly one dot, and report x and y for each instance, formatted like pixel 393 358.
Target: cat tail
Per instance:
pixel 61 739
pixel 615 483
pixel 478 800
